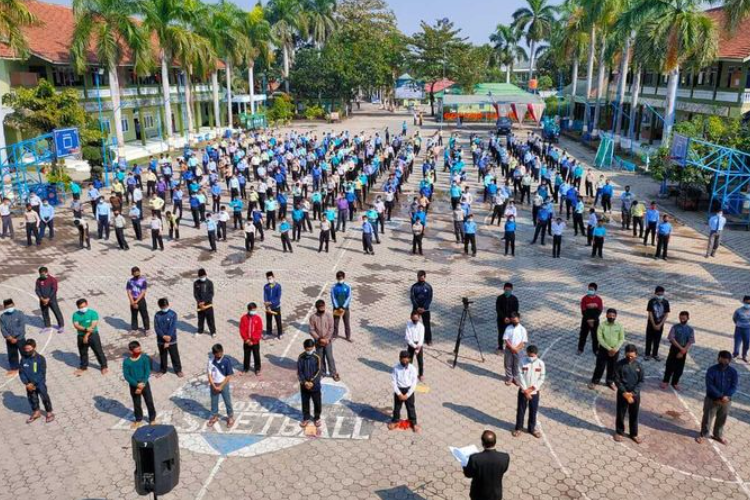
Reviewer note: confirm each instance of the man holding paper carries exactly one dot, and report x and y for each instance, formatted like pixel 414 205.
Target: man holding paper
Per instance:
pixel 486 470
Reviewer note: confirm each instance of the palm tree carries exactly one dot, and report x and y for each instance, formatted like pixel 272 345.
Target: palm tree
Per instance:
pixel 593 11
pixel 167 21
pixel 109 26
pixel 646 54
pixel 258 32
pixel 569 41
pixel 211 30
pixel 736 11
pixel 321 20
pixel 14 15
pixel 610 10
pixel 506 40
pixel 288 21
pixel 536 21
pixel 688 35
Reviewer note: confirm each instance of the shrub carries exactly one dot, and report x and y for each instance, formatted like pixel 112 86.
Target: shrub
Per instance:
pixel 281 110
pixel 314 112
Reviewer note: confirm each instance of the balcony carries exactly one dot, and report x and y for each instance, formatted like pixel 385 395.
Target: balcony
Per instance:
pixel 725 95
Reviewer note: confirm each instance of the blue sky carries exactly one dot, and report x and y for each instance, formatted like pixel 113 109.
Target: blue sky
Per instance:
pixel 476 18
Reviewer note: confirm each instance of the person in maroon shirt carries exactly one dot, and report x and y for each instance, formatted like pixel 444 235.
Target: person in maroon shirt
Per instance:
pixel 591 308
pixel 46 290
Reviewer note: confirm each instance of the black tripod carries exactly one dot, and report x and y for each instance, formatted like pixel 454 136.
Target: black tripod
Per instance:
pixel 462 333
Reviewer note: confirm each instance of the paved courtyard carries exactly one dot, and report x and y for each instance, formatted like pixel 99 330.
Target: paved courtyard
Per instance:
pixel 86 452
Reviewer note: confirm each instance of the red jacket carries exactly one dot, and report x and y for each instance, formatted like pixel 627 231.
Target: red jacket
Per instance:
pixel 251 328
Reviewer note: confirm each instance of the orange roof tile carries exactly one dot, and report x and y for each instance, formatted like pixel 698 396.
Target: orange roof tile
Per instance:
pixel 735 45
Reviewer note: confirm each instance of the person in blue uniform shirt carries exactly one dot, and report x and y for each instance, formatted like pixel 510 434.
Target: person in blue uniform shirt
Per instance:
pixel 272 303
pixel 367 232
pixel 33 375
pixel 421 299
pixel 470 232
pixel 663 233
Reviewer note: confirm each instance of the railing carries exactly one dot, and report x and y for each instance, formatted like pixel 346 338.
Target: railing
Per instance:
pixel 746 97
pixel 727 96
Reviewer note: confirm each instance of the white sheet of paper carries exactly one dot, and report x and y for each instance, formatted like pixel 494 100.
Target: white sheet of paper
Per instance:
pixel 463 454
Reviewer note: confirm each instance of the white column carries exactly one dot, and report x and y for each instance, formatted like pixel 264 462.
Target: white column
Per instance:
pixel 3 113
pixel 251 79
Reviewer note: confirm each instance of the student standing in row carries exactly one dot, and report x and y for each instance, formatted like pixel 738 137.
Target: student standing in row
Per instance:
pixel 137 369
pixel 591 309
pixel 530 381
pixel 658 313
pixel 515 338
pixel 404 380
pixel 203 292
pixel 13 328
pixel 309 370
pixel 165 325
pixel 414 338
pixel 219 375
pixel 321 330
pixel 421 300
pixel 629 378
pixel 86 323
pixel 136 289
pixel 272 303
pixel 610 336
pixel 505 305
pixel 33 375
pixel 251 332
pixel 341 299
pixel 721 385
pixel 681 338
pixel 741 319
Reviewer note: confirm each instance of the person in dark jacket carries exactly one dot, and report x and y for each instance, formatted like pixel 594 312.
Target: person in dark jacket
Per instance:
pixel 628 379
pixel 13 328
pixel 46 290
pixel 203 292
pixel 34 376
pixel 308 373
pixel 505 305
pixel 272 303
pixel 165 325
pixel 421 299
pixel 486 470
pixel 721 385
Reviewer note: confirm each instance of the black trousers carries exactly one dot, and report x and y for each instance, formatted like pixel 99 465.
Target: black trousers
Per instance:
pixel 416 243
pixel 638 224
pixel 556 246
pixel 598 247
pixel 137 229
pixel 52 304
pixel 578 224
pixel 662 243
pixel 171 352
pixel 249 241
pixel 32 229
pixel 324 238
pixel 653 339
pixel 426 321
pixel 120 235
pixel 247 350
pixel 146 396
pixel 95 344
pixel 285 243
pixel 533 407
pixel 269 321
pixel 222 230
pixel 212 240
pixel 420 358
pixel 39 392
pixel 510 243
pixel 156 239
pixel 14 354
pixel 297 230
pixel 540 229
pixel 411 410
pixel 650 229
pixel 206 316
pixel 317 400
pixel 604 360
pixel 675 367
pixel 470 239
pixel 141 308
pixel 587 330
pixel 623 407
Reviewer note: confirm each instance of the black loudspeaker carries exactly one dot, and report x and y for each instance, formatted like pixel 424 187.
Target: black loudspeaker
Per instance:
pixel 156 453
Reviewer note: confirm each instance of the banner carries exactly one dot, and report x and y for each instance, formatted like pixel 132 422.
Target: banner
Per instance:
pixel 536 111
pixel 514 115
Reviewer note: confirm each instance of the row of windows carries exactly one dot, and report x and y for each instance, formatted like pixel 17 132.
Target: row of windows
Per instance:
pixel 732 78
pixel 148 120
pixel 65 76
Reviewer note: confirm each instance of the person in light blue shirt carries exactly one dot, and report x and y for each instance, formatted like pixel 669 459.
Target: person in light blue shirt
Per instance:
pixel 652 221
pixel 211 227
pixel 103 211
pixel 470 235
pixel 75 190
pixel 599 234
pixel 237 208
pixel 715 228
pixel 341 298
pixel 367 231
pixel 47 216
pixel 542 220
pixel 330 214
pixel 284 228
pixel 510 235
pixel 298 216
pixel 663 232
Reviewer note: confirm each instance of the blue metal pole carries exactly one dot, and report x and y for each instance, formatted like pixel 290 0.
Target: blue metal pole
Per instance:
pixel 105 157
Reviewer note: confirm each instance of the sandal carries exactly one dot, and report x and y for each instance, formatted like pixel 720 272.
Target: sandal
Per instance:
pixel 35 416
pixel 50 418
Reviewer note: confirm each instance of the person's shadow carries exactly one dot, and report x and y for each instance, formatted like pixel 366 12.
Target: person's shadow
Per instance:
pixel 376 365
pixel 15 403
pixel 69 358
pixel 112 407
pixel 117 323
pixel 479 416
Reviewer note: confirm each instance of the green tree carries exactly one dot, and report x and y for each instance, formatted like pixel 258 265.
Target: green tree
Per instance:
pixel 109 26
pixel 288 22
pixel 536 21
pixel 434 52
pixel 321 20
pixel 257 29
pixel 507 43
pixel 15 15
pixel 471 66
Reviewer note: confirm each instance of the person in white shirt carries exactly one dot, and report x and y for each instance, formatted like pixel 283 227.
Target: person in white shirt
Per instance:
pixel 511 210
pixel 558 226
pixel 530 381
pixel 223 219
pixel 414 337
pixel 156 227
pixel 515 337
pixel 404 380
pixel 7 219
pixel 715 227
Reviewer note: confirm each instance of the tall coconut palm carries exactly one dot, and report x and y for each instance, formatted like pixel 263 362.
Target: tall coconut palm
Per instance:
pixel 235 45
pixel 167 20
pixel 15 15
pixel 110 28
pixel 212 30
pixel 736 11
pixel 507 43
pixel 594 11
pixel 258 31
pixel 288 21
pixel 647 54
pixel 569 42
pixel 688 35
pixel 536 21
pixel 321 20
pixel 608 15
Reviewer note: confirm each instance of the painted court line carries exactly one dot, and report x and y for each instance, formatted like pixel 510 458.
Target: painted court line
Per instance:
pixel 210 478
pixel 304 320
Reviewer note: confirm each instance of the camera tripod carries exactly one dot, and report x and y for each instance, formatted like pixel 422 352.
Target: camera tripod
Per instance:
pixel 462 332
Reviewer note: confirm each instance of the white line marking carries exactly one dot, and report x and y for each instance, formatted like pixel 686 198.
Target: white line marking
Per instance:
pixel 343 251
pixel 210 478
pixel 306 318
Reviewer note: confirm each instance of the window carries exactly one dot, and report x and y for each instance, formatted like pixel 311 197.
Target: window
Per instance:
pixel 148 80
pixel 106 126
pixel 148 120
pixel 734 74
pixel 648 79
pixel 64 76
pixel 125 125
pixel 103 78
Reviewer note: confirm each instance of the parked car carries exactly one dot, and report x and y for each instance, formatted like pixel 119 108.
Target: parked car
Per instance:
pixel 504 126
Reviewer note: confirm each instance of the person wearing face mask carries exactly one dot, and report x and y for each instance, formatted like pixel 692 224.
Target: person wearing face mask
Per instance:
pixel 681 337
pixel 220 372
pixel 341 298
pixel 136 289
pixel 272 303
pixel 721 384
pixel 33 375
pixel 136 369
pixel 505 305
pixel 414 337
pixel 309 371
pixel 629 378
pixel 203 292
pixel 421 299
pixel 610 336
pixel 47 216
pixel 715 229
pixel 530 381
pixel 404 380
pixel 46 290
pixel 470 235
pixel 13 327
pixel 251 332
pixel 741 319
pixel 322 331
pixel 591 309
pixel 514 338
pixel 86 323
pixel 510 235
pixel 165 325
pixel 658 312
